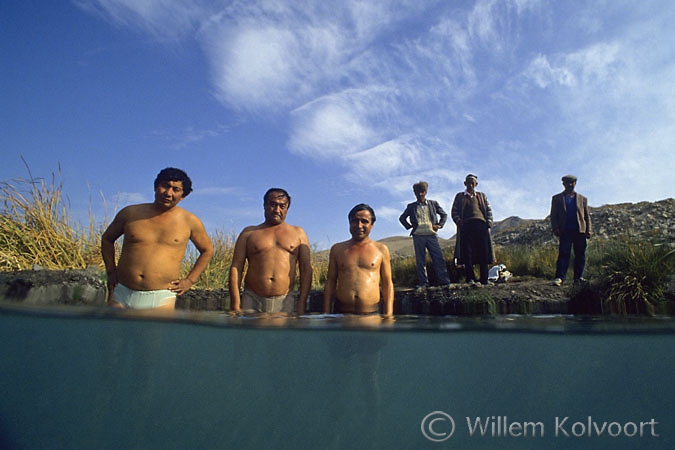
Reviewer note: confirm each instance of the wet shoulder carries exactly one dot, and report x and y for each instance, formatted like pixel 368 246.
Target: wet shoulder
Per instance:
pixel 382 248
pixel 300 233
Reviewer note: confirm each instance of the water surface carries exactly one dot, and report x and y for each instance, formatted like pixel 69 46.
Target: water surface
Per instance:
pixel 91 378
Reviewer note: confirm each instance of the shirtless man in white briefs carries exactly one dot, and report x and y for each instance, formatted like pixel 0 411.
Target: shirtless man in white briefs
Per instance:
pixel 273 249
pixel 147 275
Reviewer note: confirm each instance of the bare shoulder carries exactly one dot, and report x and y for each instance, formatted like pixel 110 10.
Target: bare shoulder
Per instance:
pixel 252 228
pixel 296 228
pixel 382 248
pixel 247 231
pixel 299 232
pixel 192 219
pixel 132 212
pixel 131 209
pixel 339 247
pixel 186 215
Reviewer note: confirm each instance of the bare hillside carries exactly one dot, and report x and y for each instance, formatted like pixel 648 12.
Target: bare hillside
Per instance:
pixel 654 220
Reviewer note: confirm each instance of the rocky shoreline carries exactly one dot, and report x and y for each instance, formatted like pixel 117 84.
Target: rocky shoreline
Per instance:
pixel 516 296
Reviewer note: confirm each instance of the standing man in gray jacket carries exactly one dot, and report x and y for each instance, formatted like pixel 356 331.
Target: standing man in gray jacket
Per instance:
pixel 571 223
pixel 425 217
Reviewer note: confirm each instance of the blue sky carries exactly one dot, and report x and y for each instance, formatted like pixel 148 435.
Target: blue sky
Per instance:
pixel 340 102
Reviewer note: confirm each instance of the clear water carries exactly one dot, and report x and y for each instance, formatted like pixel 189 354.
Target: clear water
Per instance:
pixel 74 379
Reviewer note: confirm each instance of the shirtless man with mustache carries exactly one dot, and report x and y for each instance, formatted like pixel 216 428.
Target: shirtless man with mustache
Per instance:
pixel 357 268
pixel 274 250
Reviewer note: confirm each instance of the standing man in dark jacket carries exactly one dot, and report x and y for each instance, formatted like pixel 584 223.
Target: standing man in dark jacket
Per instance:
pixel 426 217
pixel 571 222
pixel 472 214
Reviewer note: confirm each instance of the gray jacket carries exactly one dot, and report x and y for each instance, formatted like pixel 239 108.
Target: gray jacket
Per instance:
pixel 438 215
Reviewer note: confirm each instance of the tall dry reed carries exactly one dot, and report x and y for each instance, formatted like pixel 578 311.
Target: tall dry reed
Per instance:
pixel 36 229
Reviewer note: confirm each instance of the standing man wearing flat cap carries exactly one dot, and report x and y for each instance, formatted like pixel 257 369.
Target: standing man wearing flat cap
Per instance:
pixel 571 223
pixel 472 214
pixel 424 218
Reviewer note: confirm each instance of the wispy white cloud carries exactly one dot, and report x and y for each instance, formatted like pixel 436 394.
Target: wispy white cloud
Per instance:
pixel 277 55
pixel 615 115
pixel 181 139
pixel 128 198
pixel 164 20
pixel 392 91
pixel 341 124
pixel 385 160
pixel 256 68
pixel 543 74
pixel 216 191
pixel 388 213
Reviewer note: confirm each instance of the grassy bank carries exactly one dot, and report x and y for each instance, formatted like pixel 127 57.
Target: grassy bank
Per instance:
pixel 36 229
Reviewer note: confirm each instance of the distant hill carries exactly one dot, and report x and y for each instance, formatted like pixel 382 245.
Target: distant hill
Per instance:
pixel 644 219
pixel 399 246
pixel 510 224
pixel 641 220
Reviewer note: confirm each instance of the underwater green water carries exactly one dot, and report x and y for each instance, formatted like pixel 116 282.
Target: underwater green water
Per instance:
pixel 94 380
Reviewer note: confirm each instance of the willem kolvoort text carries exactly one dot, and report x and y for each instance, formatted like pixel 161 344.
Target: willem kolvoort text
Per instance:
pixel 499 426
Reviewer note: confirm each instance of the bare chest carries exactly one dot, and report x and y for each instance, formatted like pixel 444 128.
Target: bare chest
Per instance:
pixel 153 232
pixel 270 240
pixel 362 258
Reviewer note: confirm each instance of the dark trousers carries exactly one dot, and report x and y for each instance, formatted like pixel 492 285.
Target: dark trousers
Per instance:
pixel 475 242
pixel 571 239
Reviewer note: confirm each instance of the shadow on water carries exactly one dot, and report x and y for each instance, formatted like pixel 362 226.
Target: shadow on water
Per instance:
pixel 90 378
